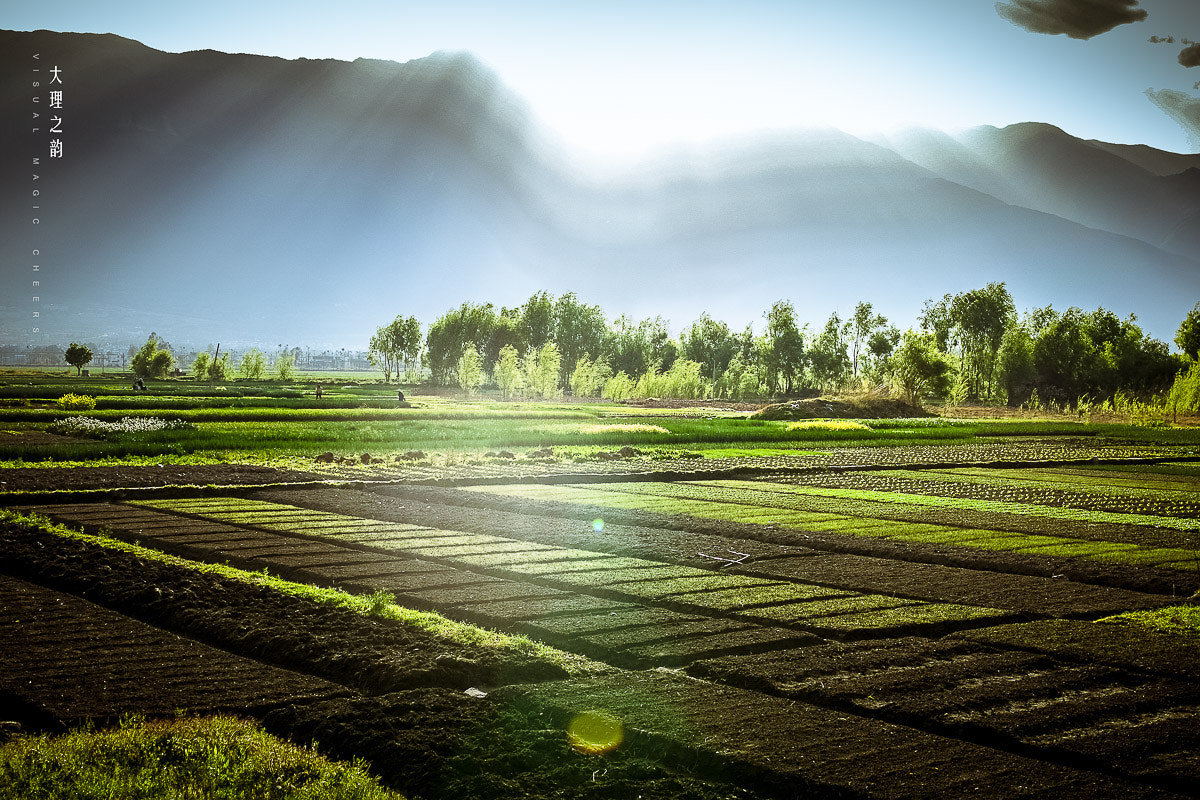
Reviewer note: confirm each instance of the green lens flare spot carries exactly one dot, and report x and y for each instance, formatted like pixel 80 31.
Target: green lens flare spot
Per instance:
pixel 595 732
pixel 598 525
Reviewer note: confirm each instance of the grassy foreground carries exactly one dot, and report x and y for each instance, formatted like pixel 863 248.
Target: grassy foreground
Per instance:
pixel 204 757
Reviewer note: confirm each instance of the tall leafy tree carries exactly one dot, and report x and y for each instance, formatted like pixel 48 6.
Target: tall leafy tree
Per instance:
pixel 1188 336
pixel 635 349
pixel 864 324
pixel 78 356
pixel 578 329
pixel 709 342
pixel 827 353
pixel 980 318
pixel 783 348
pixel 470 324
pixel 397 342
pixel 153 360
pixel 536 321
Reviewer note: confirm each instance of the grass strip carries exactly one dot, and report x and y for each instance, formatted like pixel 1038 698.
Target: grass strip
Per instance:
pixel 219 757
pixel 1178 620
pixel 377 604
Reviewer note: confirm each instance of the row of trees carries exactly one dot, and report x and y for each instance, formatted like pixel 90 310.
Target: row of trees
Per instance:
pixel 971 345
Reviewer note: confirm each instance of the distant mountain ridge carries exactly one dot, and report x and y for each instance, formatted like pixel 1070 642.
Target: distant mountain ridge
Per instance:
pixel 264 200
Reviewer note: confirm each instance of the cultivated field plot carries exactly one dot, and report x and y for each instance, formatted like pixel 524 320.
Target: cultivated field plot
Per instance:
pixel 910 627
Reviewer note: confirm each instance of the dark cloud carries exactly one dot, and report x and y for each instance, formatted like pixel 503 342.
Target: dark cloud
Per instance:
pixel 1162 40
pixel 1079 19
pixel 1190 55
pixel 1181 107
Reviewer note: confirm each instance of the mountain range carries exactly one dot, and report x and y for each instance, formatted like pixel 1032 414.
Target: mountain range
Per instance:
pixel 251 199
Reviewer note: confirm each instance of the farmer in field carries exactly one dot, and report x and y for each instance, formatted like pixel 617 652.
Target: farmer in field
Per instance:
pixel 400 395
pixel 318 391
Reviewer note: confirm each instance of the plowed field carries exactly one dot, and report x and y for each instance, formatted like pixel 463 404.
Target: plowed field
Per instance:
pixel 926 624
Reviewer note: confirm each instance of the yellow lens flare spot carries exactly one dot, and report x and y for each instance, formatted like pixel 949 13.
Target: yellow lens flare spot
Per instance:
pixel 594 733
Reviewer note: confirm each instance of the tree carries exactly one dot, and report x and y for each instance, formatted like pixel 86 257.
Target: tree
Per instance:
pixel 864 325
pixel 1062 356
pixel 1015 370
pixel 398 341
pixel 507 372
pixel 1188 335
pixel 578 329
pixel 78 356
pixel 285 366
pixel 199 368
pixel 783 348
pixel 252 365
pixel 919 370
pixel 881 345
pixel 470 372
pixel 634 349
pixel 710 343
pixel 468 325
pixel 219 369
pixel 152 360
pixel 589 377
pixel 541 368
pixel 827 354
pixel 980 318
pixel 537 321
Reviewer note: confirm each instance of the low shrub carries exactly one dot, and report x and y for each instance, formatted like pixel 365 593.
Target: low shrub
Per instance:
pixel 93 428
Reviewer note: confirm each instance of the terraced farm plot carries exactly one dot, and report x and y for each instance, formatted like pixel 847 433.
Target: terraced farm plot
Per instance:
pixel 882 633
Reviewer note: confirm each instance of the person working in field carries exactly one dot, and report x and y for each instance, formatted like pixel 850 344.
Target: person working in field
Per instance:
pixel 318 391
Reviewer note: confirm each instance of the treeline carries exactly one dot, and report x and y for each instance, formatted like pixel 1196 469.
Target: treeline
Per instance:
pixel 968 346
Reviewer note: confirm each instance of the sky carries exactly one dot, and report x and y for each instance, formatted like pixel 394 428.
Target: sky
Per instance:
pixel 622 79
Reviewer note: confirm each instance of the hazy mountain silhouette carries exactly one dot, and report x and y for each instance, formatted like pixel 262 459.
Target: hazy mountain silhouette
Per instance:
pixel 259 199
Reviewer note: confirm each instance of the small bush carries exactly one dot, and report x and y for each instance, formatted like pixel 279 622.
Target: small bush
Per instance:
pixel 76 402
pixel 216 757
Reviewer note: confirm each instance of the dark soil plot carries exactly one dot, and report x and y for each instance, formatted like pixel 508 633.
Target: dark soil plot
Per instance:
pixel 32 479
pixel 76 661
pixel 797 748
pixel 1109 719
pixel 332 643
pixel 65 660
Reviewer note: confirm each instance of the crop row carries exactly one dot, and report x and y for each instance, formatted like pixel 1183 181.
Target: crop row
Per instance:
pixel 719 500
pixel 1139 504
pixel 755 599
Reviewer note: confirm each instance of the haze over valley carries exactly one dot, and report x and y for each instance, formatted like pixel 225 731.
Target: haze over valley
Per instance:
pixel 255 199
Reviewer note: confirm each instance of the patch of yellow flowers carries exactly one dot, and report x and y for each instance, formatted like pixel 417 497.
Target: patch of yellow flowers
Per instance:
pixel 632 427
pixel 827 425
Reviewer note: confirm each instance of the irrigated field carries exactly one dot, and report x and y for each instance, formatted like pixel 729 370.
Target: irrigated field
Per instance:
pixel 801 618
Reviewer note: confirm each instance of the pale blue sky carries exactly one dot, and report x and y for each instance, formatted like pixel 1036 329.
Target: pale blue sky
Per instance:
pixel 620 77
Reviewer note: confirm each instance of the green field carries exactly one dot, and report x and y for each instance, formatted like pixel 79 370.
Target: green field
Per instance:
pixel 271 420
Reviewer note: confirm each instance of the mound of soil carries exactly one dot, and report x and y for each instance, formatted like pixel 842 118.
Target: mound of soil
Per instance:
pixel 830 408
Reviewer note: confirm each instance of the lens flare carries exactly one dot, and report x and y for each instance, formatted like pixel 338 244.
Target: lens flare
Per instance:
pixel 598 525
pixel 595 733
